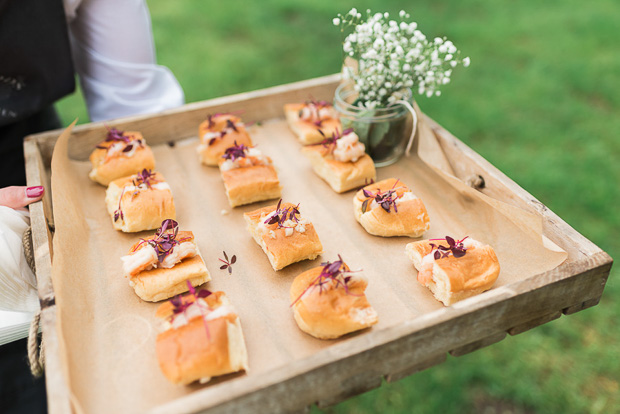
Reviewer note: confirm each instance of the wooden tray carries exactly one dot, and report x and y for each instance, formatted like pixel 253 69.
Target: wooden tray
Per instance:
pixel 338 373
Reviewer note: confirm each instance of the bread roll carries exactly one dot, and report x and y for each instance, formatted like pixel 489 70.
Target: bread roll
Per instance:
pixel 217 133
pixel 409 218
pixel 330 311
pixel 322 117
pixel 111 160
pixel 341 176
pixel 143 207
pixel 157 277
pixel 450 278
pixel 249 176
pixel 203 341
pixel 283 246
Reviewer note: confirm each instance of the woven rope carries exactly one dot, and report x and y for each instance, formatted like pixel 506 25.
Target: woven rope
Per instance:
pixel 29 249
pixel 35 350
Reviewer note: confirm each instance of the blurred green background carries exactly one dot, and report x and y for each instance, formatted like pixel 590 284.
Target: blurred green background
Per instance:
pixel 540 101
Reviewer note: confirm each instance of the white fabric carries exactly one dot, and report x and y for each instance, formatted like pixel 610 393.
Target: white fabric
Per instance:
pixel 114 56
pixel 18 286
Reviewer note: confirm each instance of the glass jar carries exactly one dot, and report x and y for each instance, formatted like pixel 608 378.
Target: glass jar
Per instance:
pixel 384 131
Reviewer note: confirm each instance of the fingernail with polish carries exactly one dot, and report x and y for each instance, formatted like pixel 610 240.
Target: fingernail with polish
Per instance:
pixel 34 192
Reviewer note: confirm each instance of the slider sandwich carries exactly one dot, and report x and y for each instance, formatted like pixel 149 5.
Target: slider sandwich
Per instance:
pixel 165 264
pixel 312 121
pixel 452 269
pixel 120 155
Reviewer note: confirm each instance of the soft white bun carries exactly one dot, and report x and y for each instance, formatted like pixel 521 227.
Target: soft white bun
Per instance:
pixel 452 279
pixel 210 153
pixel 307 132
pixel 251 184
pixel 160 283
pixel 332 312
pixel 411 219
pixel 341 176
pixel 193 352
pixel 104 172
pixel 283 250
pixel 145 211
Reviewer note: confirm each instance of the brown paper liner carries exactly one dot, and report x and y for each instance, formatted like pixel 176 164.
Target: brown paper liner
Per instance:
pixel 108 333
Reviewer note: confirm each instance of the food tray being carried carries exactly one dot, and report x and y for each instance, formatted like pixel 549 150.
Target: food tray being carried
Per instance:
pixel 99 336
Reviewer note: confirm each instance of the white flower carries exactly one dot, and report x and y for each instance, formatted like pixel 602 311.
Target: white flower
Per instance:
pixel 438 93
pixel 353 12
pixel 453 63
pixel 402 14
pixel 448 57
pixel 466 62
pixel 382 92
pixel 336 21
pixel 438 40
pixel 406 67
pixel 429 94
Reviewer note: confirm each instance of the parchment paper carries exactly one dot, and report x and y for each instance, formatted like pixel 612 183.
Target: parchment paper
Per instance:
pixel 109 333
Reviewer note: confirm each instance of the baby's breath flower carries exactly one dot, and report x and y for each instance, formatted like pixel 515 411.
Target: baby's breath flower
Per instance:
pixel 393 56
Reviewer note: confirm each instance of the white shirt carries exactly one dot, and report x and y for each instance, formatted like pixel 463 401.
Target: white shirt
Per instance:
pixel 114 56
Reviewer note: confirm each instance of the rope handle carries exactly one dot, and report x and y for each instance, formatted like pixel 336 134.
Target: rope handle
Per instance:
pixel 415 123
pixel 36 354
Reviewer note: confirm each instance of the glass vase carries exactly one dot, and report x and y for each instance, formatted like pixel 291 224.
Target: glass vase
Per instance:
pixel 384 131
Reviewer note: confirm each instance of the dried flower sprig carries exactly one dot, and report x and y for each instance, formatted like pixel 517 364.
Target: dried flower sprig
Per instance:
pixel 336 271
pixel 394 56
pixel 455 247
pixel 228 263
pixel 386 199
pixel 281 215
pixel 116 135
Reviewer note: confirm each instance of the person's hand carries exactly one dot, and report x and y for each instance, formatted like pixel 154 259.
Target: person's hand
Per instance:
pixel 18 198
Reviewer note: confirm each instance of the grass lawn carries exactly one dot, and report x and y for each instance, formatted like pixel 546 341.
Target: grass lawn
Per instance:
pixel 540 101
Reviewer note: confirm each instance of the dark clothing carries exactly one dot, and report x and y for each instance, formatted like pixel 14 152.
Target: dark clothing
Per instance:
pixel 12 169
pixel 20 392
pixel 35 70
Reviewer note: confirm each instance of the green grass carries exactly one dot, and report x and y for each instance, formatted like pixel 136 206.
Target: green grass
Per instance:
pixel 540 101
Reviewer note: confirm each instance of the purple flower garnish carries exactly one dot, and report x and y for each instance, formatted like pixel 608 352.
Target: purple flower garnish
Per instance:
pixel 331 142
pixel 455 247
pixel 180 305
pixel 228 264
pixel 235 152
pixel 337 271
pixel 385 199
pixel 281 215
pixel 117 135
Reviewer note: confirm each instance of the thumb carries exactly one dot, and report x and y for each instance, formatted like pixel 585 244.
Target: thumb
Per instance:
pixel 19 197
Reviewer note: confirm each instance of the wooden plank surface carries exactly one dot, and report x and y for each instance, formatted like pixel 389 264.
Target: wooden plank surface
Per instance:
pixel 392 353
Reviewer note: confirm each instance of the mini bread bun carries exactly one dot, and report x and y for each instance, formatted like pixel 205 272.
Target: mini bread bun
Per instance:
pixel 308 132
pixel 211 150
pixel 158 284
pixel 144 211
pixel 251 184
pixel 452 279
pixel 330 312
pixel 282 250
pixel 203 347
pixel 104 171
pixel 341 176
pixel 410 220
